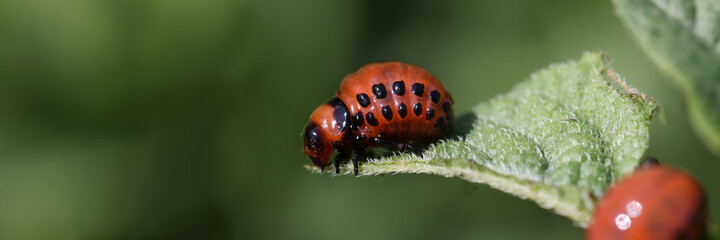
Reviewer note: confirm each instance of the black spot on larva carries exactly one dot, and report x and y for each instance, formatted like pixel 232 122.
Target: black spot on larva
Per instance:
pixel 440 122
pixel 418 89
pixel 402 110
pixel 430 114
pixel 417 109
pixel 447 107
pixel 370 117
pixel 363 99
pixel 358 119
pixel 387 112
pixel 399 88
pixel 379 91
pixel 435 96
pixel 340 113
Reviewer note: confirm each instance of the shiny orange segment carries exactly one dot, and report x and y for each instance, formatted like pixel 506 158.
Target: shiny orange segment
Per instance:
pixel 323 117
pixel 657 202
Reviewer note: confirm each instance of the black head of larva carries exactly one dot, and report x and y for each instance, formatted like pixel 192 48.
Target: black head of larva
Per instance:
pixel 311 135
pixel 315 145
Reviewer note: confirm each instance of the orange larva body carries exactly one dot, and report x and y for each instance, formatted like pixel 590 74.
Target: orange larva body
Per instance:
pixel 381 104
pixel 657 202
pixel 394 83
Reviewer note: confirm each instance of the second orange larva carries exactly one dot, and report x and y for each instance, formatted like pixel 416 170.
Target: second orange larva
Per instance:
pixel 655 202
pixel 380 105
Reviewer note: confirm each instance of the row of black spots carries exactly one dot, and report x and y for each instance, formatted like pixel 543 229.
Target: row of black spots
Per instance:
pixel 418 110
pixel 387 113
pixel 418 89
pixel 401 109
pixel 398 88
pixel 380 92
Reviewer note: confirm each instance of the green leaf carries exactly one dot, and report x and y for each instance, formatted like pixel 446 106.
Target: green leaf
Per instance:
pixel 683 38
pixel 559 138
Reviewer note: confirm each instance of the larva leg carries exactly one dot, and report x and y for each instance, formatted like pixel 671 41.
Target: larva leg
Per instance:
pixel 355 161
pixel 341 158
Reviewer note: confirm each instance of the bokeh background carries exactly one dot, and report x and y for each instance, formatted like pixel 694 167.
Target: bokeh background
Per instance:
pixel 181 119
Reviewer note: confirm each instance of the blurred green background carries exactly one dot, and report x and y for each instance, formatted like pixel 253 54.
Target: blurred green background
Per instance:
pixel 180 119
